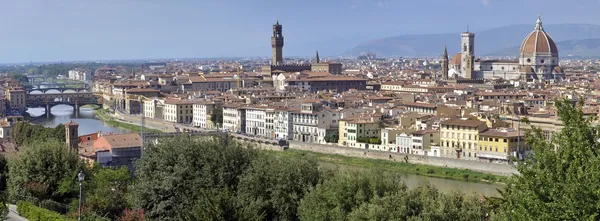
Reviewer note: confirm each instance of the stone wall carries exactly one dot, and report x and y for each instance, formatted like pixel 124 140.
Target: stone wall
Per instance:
pixel 258 145
pixel 493 168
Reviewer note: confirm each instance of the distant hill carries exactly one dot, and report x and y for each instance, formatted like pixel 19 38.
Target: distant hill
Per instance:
pixel 497 41
pixel 568 48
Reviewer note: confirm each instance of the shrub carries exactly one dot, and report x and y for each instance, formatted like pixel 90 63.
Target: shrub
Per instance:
pixel 32 212
pixel 430 171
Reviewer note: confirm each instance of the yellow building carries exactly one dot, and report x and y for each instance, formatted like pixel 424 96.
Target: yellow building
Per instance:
pixel 500 144
pixel 16 99
pixel 179 111
pixel 459 138
pixel 352 130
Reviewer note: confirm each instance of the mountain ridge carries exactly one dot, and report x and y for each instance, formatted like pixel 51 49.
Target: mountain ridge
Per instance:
pixel 487 42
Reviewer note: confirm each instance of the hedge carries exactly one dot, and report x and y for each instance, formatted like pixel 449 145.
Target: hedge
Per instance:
pixel 32 212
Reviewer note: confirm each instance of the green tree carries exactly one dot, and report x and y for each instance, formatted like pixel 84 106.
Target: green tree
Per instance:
pixel 20 77
pixel 274 186
pixel 217 116
pixel 106 190
pixel 332 137
pixel 336 198
pixel 46 170
pixel 172 171
pixel 560 180
pixel 24 132
pixel 3 193
pixel 424 202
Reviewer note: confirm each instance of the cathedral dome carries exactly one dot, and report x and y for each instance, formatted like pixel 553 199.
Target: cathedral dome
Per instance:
pixel 538 41
pixel 456 59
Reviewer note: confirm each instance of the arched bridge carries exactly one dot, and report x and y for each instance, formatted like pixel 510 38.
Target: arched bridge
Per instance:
pixel 60 89
pixel 49 100
pixel 32 78
pixel 60 85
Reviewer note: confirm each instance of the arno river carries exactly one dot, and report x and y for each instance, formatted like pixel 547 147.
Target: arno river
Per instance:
pixel 61 114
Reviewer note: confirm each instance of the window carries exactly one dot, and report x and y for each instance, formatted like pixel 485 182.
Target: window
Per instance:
pixel 542 61
pixel 528 60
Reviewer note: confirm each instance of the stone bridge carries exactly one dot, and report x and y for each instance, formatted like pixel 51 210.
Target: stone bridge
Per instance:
pixel 60 89
pixel 49 100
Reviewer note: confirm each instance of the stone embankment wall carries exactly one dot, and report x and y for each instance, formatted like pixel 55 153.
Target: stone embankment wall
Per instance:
pixel 492 168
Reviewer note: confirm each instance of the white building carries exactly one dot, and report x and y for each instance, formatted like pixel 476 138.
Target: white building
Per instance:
pixel 80 75
pixel 256 121
pixel 403 142
pixel 202 115
pixel 4 129
pixel 153 109
pixel 234 117
pixel 310 124
pixel 283 124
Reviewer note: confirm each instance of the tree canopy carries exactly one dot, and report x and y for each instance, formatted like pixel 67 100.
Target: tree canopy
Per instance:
pixel 106 191
pixel 23 132
pixel 172 172
pixel 561 179
pixel 46 170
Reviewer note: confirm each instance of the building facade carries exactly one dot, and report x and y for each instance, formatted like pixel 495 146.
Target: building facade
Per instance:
pixel 234 118
pixel 202 115
pixel 459 138
pixel 178 111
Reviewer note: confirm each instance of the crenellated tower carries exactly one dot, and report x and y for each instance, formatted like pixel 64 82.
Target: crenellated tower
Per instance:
pixel 277 44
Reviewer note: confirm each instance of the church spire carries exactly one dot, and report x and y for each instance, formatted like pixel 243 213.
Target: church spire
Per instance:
pixel 445 64
pixel 317 60
pixel 445 55
pixel 538 24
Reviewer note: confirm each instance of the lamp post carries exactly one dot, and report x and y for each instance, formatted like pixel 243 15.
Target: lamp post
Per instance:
pixel 80 177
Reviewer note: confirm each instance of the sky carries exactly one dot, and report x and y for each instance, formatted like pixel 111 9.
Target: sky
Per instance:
pixel 78 30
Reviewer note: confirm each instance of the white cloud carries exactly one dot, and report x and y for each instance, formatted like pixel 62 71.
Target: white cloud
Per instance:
pixel 485 2
pixel 380 4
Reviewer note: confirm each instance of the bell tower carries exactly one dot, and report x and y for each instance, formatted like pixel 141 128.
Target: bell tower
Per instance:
pixel 445 64
pixel 277 44
pixel 467 40
pixel 72 135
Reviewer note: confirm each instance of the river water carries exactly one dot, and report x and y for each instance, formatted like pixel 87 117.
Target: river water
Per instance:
pixel 61 114
pixel 88 124
pixel 444 185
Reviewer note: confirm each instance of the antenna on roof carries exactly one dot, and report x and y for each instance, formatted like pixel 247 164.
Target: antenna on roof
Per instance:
pixel 467 27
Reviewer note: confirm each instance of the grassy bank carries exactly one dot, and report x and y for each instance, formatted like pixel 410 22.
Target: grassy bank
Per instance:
pixel 104 115
pixel 402 167
pixel 93 106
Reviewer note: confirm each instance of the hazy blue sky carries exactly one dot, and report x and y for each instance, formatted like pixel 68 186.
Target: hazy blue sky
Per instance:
pixel 54 30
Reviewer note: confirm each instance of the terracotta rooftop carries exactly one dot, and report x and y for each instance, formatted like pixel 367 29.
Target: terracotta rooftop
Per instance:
pixel 123 140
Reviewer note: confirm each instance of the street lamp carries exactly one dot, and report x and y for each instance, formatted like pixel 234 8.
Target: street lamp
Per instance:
pixel 80 177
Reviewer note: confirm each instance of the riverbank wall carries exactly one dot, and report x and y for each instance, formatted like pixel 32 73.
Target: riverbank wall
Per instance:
pixel 484 167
